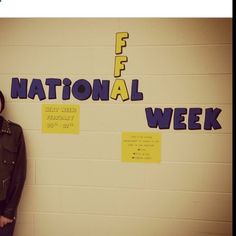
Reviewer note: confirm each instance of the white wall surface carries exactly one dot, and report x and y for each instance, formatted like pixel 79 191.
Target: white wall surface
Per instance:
pixel 77 184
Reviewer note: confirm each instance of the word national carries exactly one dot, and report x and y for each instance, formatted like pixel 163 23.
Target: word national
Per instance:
pixel 81 89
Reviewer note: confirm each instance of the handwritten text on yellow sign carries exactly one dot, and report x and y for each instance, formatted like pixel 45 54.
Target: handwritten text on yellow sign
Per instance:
pixel 60 118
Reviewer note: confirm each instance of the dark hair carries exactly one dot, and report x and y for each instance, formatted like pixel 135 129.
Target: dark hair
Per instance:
pixel 2 99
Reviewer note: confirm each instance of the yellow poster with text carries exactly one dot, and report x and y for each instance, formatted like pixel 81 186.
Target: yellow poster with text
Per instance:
pixel 60 118
pixel 141 147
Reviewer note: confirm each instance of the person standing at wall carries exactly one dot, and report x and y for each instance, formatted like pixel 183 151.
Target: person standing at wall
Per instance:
pixel 12 171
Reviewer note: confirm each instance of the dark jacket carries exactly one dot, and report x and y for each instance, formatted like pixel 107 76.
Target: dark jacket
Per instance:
pixel 12 166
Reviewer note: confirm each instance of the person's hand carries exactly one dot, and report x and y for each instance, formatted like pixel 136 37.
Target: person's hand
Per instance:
pixel 4 220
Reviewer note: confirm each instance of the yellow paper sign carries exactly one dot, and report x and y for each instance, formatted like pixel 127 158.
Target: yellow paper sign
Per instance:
pixel 60 118
pixel 141 147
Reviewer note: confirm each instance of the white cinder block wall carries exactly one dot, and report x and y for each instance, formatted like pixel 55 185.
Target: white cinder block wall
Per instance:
pixel 77 184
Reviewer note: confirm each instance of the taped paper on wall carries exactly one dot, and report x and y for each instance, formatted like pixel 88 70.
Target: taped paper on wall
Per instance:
pixel 141 147
pixel 60 118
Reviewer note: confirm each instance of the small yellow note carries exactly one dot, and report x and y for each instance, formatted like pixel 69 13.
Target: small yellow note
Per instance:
pixel 141 147
pixel 60 118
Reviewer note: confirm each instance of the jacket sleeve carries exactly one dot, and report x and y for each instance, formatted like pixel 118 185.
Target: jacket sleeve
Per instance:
pixel 17 180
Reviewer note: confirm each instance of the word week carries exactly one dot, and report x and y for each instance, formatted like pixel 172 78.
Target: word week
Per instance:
pixel 162 118
pixel 81 89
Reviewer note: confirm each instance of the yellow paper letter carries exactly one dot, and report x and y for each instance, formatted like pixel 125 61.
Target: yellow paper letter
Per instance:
pixel 119 89
pixel 118 65
pixel 120 42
